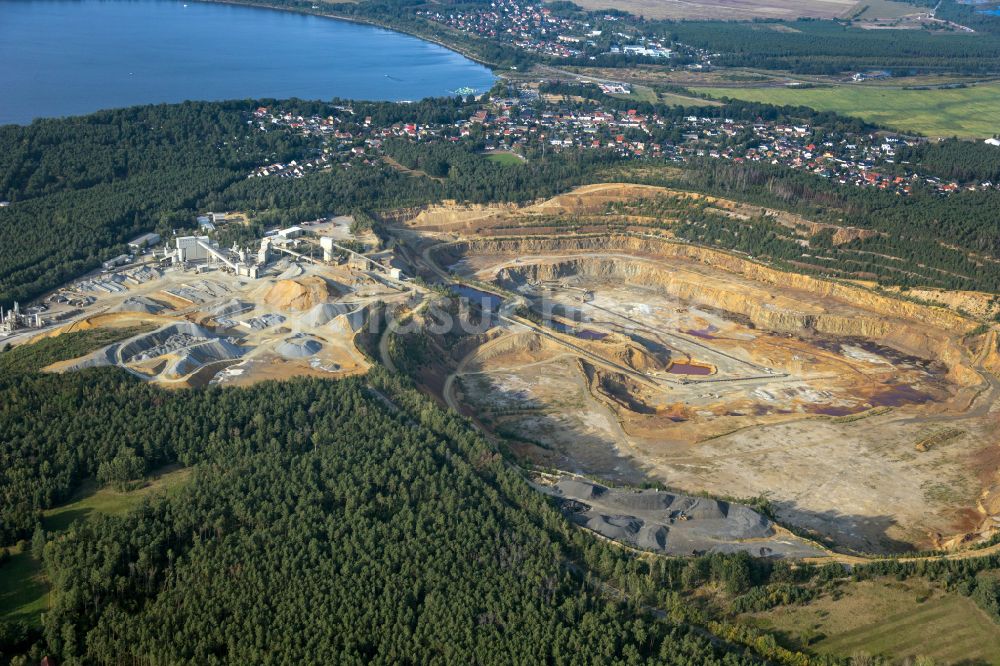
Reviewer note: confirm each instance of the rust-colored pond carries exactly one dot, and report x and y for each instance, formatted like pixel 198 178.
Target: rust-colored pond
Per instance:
pixel 689 369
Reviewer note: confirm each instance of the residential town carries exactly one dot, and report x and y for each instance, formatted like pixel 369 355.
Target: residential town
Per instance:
pixel 527 121
pixel 542 31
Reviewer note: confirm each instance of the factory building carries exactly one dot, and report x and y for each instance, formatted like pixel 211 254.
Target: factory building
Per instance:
pixel 13 320
pixel 292 232
pixel 192 248
pixel 264 253
pixel 238 260
pixel 327 244
pixel 144 241
pixel 120 260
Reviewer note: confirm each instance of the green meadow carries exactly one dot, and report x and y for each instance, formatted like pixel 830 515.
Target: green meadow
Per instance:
pixel 20 601
pixel 507 159
pixel 892 619
pixel 971 112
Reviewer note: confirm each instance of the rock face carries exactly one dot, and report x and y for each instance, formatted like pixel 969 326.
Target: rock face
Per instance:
pixel 298 295
pixel 918 329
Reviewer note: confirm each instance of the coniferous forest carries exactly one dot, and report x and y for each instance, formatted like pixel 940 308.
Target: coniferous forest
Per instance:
pixel 327 521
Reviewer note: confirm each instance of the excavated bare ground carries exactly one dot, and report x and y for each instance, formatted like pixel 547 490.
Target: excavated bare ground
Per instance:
pixel 858 380
pixel 237 331
pixel 588 201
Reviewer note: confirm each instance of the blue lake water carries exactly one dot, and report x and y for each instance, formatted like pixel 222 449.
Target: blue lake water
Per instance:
pixel 69 57
pixel 478 297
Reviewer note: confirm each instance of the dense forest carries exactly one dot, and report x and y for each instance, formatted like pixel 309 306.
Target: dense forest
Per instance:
pixel 947 242
pixel 962 161
pixel 831 47
pixel 97 180
pixel 81 187
pixel 735 109
pixel 805 46
pixel 345 521
pixel 967 14
pixel 354 521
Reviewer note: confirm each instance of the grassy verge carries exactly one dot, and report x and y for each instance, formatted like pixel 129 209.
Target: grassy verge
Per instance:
pixel 24 590
pixel 892 619
pixel 970 112
pixel 506 159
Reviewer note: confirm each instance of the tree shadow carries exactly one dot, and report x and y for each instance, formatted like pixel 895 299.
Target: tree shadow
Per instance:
pixel 842 531
pixel 61 520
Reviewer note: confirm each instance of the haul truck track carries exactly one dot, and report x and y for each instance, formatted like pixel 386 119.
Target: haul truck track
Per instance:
pixel 819 392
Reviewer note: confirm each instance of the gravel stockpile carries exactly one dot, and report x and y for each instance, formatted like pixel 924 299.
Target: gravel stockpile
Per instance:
pixel 323 313
pixel 140 304
pixel 672 524
pixel 299 346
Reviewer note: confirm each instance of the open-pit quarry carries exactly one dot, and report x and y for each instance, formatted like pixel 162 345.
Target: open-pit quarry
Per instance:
pixel 600 347
pixel 866 419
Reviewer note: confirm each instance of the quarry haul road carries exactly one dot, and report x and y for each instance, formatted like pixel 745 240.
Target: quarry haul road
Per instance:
pixel 656 383
pixel 978 406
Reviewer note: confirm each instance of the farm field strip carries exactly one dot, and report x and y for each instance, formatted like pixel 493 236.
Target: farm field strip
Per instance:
pixel 970 112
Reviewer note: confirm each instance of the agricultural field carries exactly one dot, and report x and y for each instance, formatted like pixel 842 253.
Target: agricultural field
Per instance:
pixel 647 94
pixel 683 100
pixel 970 112
pixel 893 619
pixel 20 601
pixel 728 9
pixel 880 10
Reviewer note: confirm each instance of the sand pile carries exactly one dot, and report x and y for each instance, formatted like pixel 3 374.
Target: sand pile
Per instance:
pixel 292 271
pixel 96 359
pixel 193 358
pixel 637 358
pixel 186 347
pixel 580 490
pixel 350 322
pixel 231 307
pixel 298 295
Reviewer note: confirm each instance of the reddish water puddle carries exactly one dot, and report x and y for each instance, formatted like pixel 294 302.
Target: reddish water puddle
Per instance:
pixel 689 369
pixel 900 394
pixel 703 333
pixel 830 410
pixel 582 333
pixel 894 395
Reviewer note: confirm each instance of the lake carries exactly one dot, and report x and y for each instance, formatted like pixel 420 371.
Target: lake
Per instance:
pixel 69 57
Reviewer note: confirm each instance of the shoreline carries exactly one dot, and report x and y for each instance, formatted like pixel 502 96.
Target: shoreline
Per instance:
pixel 361 21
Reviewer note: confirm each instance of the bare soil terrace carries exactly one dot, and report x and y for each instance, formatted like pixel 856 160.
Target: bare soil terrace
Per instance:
pixel 866 419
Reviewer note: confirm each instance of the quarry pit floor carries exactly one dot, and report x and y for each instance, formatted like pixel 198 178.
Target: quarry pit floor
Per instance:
pixel 834 431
